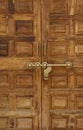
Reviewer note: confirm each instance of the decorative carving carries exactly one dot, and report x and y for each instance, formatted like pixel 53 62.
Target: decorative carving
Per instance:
pixel 79 6
pixel 59 81
pixel 58 48
pixel 24 123
pixel 3 79
pixel 79 122
pixel 58 6
pixel 23 6
pixel 58 26
pixel 79 102
pixel 3 6
pixel 3 48
pixel 3 123
pixel 24 80
pixel 4 102
pixel 24 102
pixel 24 27
pixel 59 102
pixel 23 48
pixel 3 26
pixel 79 26
pixel 59 123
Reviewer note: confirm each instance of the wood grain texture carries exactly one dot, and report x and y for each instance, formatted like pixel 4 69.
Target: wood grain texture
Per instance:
pixel 28 28
pixel 62 93
pixel 20 88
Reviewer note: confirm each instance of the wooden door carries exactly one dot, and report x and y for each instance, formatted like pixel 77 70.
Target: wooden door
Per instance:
pixel 20 88
pixel 62 93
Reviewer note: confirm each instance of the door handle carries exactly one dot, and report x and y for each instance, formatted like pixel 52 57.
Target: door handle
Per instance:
pixel 48 67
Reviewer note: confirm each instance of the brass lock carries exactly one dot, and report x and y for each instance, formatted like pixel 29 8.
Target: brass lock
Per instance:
pixel 48 67
pixel 34 65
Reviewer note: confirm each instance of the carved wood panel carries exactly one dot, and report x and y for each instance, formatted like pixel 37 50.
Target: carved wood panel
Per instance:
pixel 62 31
pixel 21 34
pixel 20 96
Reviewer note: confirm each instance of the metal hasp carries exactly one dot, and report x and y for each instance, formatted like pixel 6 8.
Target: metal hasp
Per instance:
pixel 48 67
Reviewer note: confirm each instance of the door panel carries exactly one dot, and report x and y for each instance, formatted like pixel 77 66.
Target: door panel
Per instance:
pixel 20 89
pixel 27 100
pixel 62 93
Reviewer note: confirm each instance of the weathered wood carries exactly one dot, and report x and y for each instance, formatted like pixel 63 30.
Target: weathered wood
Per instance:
pixel 39 31
pixel 20 88
pixel 62 93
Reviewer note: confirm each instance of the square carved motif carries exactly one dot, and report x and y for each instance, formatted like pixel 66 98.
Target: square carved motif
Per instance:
pixel 58 26
pixel 24 123
pixel 3 6
pixel 23 6
pixel 59 123
pixel 58 6
pixel 3 26
pixel 59 102
pixel 23 48
pixel 58 48
pixel 24 27
pixel 79 6
pixel 24 102
pixel 79 122
pixel 3 48
pixel 3 122
pixel 79 27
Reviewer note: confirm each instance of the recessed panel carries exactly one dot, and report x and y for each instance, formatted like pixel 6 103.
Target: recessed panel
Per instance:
pixel 3 80
pixel 4 102
pixel 3 26
pixel 79 123
pixel 24 123
pixel 23 102
pixel 80 81
pixel 3 6
pixel 24 27
pixel 24 48
pixel 58 6
pixel 59 123
pixel 58 26
pixel 59 81
pixel 79 47
pixel 23 6
pixel 59 102
pixel 58 48
pixel 79 6
pixel 79 27
pixel 24 80
pixel 3 48
pixel 3 123
pixel 79 102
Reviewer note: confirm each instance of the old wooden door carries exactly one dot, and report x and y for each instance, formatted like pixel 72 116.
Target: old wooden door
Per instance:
pixel 62 93
pixel 20 88
pixel 41 31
